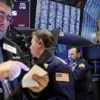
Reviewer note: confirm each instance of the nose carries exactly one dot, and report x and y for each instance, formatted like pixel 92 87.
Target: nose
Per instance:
pixel 69 56
pixel 4 22
pixel 1 23
pixel 30 47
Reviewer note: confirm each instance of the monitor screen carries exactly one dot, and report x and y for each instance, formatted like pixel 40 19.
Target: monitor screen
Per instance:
pixel 61 52
pixel 51 15
pixel 91 52
pixel 21 14
pixel 75 3
pixel 91 15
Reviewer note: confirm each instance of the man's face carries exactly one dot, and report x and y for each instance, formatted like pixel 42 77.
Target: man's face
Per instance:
pixel 34 48
pixel 73 55
pixel 5 15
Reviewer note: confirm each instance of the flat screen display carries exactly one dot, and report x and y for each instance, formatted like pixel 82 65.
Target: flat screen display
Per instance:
pixel 91 52
pixel 75 3
pixel 51 15
pixel 21 14
pixel 61 52
pixel 91 15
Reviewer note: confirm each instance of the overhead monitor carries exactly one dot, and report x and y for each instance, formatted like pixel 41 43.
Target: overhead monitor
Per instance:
pixel 75 3
pixel 61 52
pixel 51 15
pixel 91 15
pixel 91 52
pixel 21 14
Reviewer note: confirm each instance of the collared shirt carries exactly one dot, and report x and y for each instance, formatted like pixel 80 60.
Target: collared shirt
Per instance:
pixel 73 66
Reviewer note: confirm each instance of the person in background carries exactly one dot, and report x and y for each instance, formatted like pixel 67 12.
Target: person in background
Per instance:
pixel 12 69
pixel 80 69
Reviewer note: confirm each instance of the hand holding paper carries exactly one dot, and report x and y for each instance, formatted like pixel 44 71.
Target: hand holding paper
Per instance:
pixel 28 81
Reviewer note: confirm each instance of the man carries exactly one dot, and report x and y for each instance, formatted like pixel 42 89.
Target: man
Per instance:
pixel 80 68
pixel 61 85
pixel 12 69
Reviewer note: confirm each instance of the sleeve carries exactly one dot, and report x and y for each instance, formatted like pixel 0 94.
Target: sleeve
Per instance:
pixel 63 83
pixel 29 94
pixel 81 70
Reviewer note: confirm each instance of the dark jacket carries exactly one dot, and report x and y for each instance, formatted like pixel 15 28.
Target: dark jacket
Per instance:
pixel 80 69
pixel 61 89
pixel 19 94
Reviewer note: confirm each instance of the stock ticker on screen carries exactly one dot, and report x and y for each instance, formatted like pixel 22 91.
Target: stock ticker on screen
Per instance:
pixel 91 15
pixel 21 14
pixel 50 15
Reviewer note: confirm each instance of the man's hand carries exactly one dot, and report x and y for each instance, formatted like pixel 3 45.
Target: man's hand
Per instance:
pixel 11 69
pixel 43 82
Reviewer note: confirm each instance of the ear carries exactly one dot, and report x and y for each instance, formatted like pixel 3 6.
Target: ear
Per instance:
pixel 79 54
pixel 40 43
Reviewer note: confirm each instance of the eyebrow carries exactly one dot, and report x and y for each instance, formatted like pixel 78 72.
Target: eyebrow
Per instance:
pixel 4 13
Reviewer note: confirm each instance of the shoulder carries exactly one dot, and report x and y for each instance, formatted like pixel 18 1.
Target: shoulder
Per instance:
pixel 56 61
pixel 83 63
pixel 60 63
pixel 60 60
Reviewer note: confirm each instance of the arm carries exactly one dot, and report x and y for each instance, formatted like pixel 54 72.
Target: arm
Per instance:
pixel 81 70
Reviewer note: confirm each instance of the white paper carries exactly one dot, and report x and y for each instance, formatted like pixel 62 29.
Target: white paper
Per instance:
pixel 27 80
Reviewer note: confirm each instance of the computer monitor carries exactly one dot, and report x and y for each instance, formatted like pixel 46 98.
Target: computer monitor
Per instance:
pixel 91 15
pixel 74 3
pixel 92 52
pixel 51 15
pixel 21 14
pixel 61 52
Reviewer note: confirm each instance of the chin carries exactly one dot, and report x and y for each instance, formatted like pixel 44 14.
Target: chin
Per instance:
pixel 33 55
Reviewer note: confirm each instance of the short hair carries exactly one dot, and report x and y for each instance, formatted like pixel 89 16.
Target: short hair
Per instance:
pixel 7 2
pixel 78 50
pixel 45 36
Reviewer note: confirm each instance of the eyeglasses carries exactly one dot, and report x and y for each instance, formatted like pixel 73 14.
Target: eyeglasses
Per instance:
pixel 3 17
